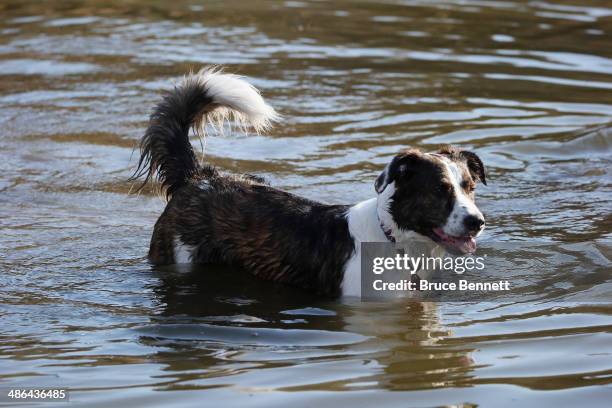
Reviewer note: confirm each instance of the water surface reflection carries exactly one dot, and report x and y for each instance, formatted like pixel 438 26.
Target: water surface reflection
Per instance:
pixel 526 84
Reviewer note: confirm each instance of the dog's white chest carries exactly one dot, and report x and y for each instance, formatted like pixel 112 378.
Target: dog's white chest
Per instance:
pixel 364 227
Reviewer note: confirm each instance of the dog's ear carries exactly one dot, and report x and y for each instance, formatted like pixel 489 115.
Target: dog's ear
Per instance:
pixel 383 180
pixel 401 165
pixel 475 166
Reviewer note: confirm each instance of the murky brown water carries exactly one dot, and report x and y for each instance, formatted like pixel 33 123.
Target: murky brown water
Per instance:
pixel 528 85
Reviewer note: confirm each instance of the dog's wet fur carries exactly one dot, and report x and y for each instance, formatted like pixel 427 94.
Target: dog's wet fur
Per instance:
pixel 213 217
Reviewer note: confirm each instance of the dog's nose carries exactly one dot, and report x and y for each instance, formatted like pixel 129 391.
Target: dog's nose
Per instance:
pixel 474 223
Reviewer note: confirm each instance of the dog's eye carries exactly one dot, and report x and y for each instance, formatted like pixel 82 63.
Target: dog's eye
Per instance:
pixel 467 186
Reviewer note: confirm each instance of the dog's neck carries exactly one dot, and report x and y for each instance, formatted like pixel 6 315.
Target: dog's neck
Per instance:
pixel 364 224
pixel 370 221
pixel 383 211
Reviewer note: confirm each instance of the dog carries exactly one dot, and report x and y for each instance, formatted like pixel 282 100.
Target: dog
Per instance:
pixel 240 220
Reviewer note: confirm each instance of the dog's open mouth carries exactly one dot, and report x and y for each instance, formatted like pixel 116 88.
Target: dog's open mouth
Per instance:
pixel 465 244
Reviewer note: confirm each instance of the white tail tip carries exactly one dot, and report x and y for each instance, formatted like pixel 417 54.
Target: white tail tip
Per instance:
pixel 234 96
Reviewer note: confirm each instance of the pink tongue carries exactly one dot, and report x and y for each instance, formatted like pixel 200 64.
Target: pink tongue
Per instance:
pixel 463 244
pixel 467 245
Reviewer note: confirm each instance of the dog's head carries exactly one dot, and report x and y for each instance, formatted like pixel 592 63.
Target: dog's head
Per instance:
pixel 432 194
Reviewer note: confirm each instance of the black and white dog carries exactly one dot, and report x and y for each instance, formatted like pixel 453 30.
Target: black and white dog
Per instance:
pixel 240 220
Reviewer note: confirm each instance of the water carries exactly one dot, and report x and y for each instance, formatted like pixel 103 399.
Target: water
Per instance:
pixel 526 85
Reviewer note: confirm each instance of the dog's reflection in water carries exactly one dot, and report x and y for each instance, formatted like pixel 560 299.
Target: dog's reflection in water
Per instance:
pixel 212 318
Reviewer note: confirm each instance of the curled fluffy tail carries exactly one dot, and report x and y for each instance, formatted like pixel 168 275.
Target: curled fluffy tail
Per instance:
pixel 208 96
